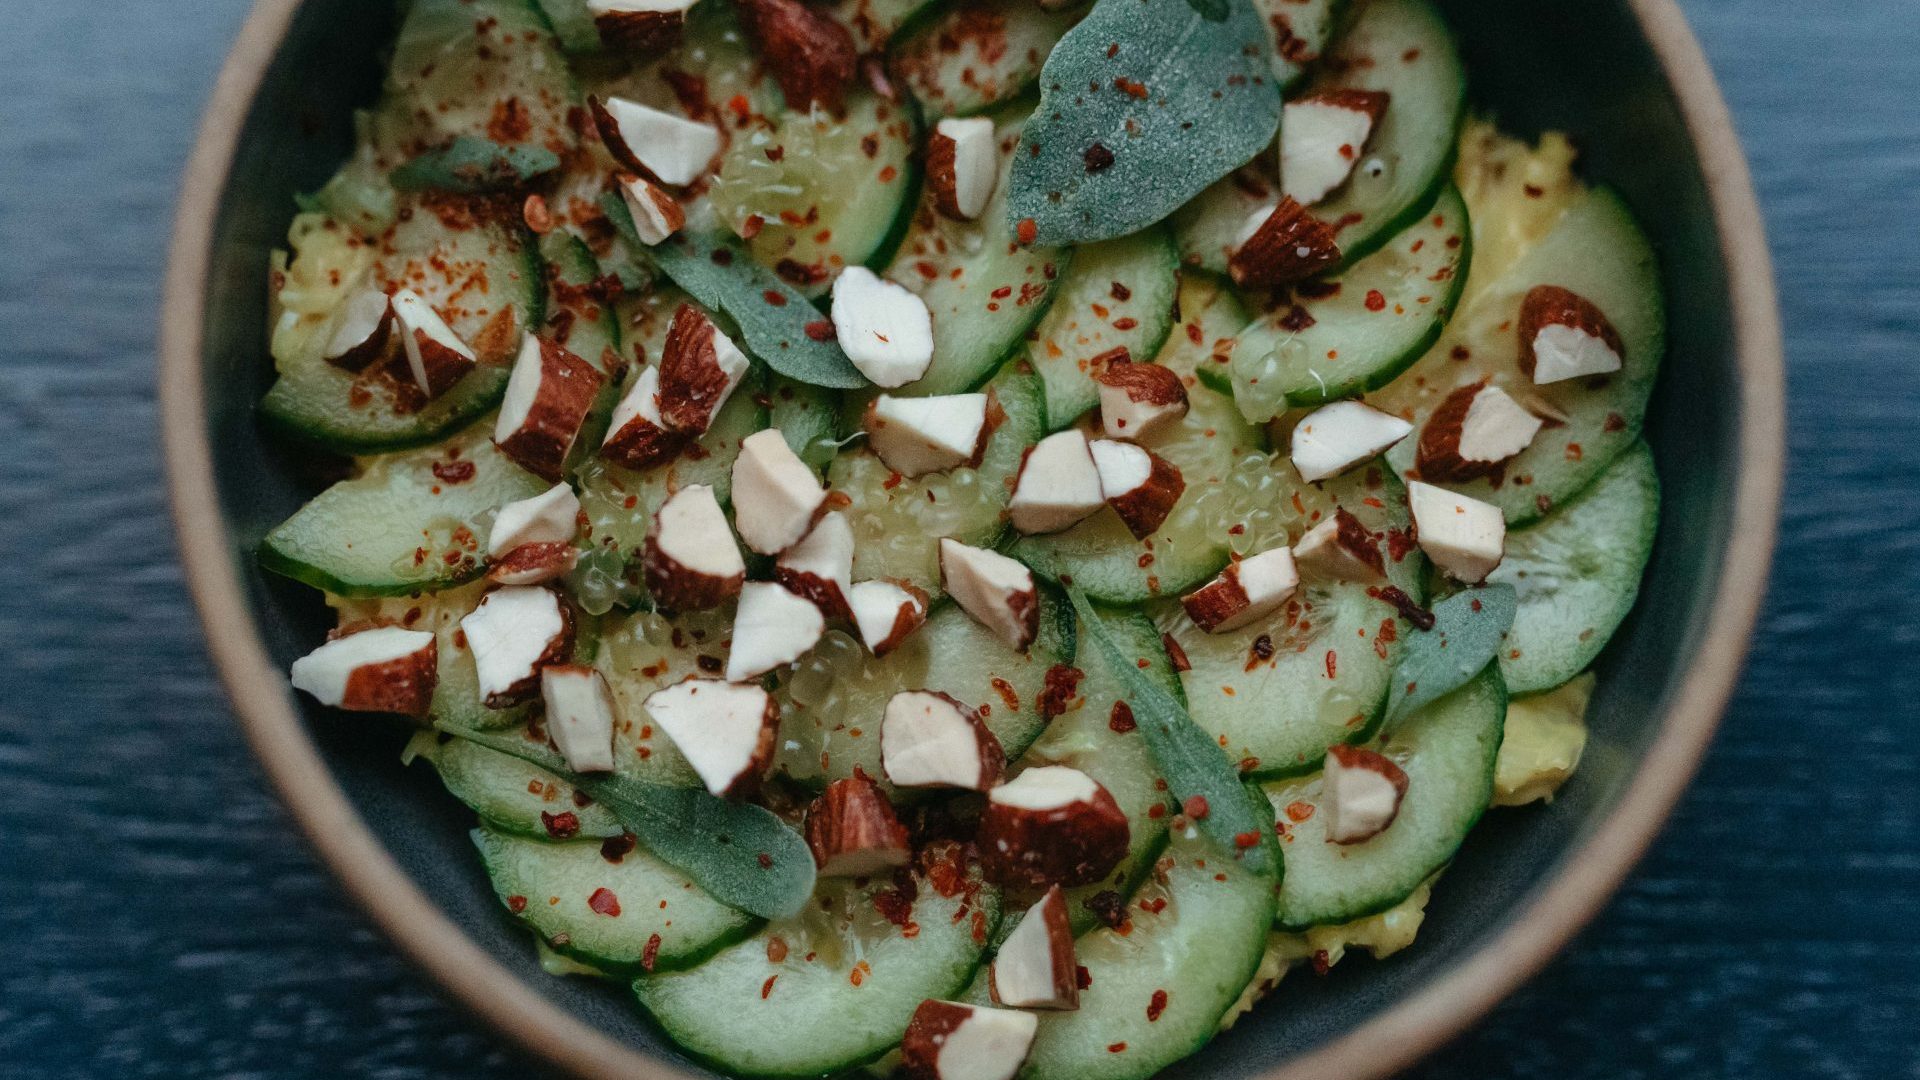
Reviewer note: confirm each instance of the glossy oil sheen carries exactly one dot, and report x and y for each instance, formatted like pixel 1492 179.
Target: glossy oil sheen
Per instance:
pixel 1579 66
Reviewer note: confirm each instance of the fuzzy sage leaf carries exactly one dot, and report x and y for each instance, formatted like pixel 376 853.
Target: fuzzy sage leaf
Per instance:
pixel 1142 105
pixel 739 853
pixel 1190 760
pixel 1468 628
pixel 777 325
pixel 472 164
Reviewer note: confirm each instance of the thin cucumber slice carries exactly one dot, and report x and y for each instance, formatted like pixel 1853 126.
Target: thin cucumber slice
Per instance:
pixel 1302 30
pixel 1210 228
pixel 809 417
pixel 832 702
pixel 1278 692
pixel 984 289
pixel 1577 572
pixel 828 191
pixel 510 795
pixel 620 502
pixel 456 693
pixel 1118 293
pixel 1156 989
pixel 1221 457
pixel 635 914
pixel 1599 252
pixel 1386 311
pixel 898 522
pixel 970 57
pixel 644 651
pixel 402 525
pixel 1448 751
pixel 1404 48
pixel 1094 737
pixel 484 277
pixel 487 68
pixel 843 986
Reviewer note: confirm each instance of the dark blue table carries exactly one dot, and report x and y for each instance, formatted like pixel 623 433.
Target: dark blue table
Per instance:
pixel 159 917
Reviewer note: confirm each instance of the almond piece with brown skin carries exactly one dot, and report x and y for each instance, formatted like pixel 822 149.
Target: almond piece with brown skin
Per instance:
pixel 1564 336
pixel 660 146
pixel 435 356
pixel 1138 401
pixel 771 629
pixel 820 567
pixel 1465 538
pixel 639 27
pixel 886 613
pixel 1341 548
pixel 1051 825
pixel 656 214
pixel 533 564
pixel 963 166
pixel 579 716
pixel 1140 485
pixel 1471 433
pixel 1360 793
pixel 1321 136
pixel 1249 589
pixel 553 516
pixel 946 1040
pixel 514 633
pixel 549 393
pixel 813 58
pixel 1035 967
pixel 361 331
pixel 914 436
pixel 776 498
pixel 689 560
pixel 930 739
pixel 699 369
pixel 1058 485
pixel 997 591
pixel 854 832
pixel 724 730
pixel 384 669
pixel 637 435
pixel 1285 246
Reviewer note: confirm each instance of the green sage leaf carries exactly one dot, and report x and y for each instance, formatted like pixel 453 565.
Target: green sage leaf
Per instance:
pixel 772 317
pixel 1190 760
pixel 1468 628
pixel 741 854
pixel 1142 105
pixel 472 164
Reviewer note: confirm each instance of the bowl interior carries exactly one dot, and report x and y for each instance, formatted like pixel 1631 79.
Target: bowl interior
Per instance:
pixel 1578 65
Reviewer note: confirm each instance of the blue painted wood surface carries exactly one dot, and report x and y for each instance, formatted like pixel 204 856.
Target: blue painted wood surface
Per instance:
pixel 159 918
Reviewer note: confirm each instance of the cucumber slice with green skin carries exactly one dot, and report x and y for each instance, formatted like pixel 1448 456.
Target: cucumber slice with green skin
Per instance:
pixel 573 25
pixel 510 794
pixel 968 58
pixel 644 651
pixel 456 693
pixel 489 68
pixel 829 191
pixel 1599 252
pixel 985 290
pixel 1448 751
pixel 1156 993
pixel 841 994
pixel 485 278
pixel 1577 573
pixel 1404 48
pixel 1221 457
pixel 1387 310
pixel 1277 692
pixel 832 701
pixel 809 417
pixel 634 915
pixel 620 502
pixel 1302 30
pixel 898 522
pixel 1090 737
pixel 1118 293
pixel 398 527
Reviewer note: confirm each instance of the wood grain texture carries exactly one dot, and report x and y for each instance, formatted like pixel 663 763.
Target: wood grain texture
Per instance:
pixel 160 917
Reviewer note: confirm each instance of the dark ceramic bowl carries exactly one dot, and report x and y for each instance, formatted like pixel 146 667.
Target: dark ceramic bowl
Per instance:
pixel 1625 76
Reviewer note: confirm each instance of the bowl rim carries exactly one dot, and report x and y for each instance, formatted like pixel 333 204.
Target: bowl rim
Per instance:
pixel 1395 1038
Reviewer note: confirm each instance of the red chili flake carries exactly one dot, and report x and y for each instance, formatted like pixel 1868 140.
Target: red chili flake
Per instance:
pixel 1376 301
pixel 1002 292
pixel 1109 907
pixel 775 298
pixel 767 987
pixel 889 174
pixel 1082 977
pixel 1121 718
pixel 1027 231
pixel 1157 811
pixel 722 256
pixel 765 860
pixel 1098 157
pixel 894 906
pixel 1246 839
pixel 1533 191
pixel 1195 807
pixel 1321 962
pixel 776 950
pixel 1574 453
pixel 1333 664
pixel 651 952
pixel 1260 652
pixel 892 481
pixel 1176 654
pixel 740 106
pixel 1156 1005
pixel 1614 422
pixel 516 904
pixel 820 330
pixel 453 472
pixel 562 825
pixel 615 848
pixel 1194 334
pixel 1476 604
pixel 1136 89
pixel 1125 323
pixel 605 902
pixel 1117 1048
pixel 1057 691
